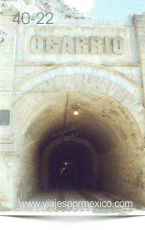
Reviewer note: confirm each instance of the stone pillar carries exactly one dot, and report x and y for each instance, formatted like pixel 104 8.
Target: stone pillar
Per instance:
pixel 7 53
pixel 139 22
pixel 8 182
pixel 7 153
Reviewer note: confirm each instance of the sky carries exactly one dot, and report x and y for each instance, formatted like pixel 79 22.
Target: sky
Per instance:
pixel 108 9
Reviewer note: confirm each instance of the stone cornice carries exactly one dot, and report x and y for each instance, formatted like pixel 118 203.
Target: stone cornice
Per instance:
pixel 111 64
pixel 34 63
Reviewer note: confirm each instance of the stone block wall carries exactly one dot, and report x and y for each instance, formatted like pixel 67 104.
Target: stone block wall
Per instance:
pixel 30 165
pixel 19 175
pixel 133 73
pixel 9 180
pixel 122 173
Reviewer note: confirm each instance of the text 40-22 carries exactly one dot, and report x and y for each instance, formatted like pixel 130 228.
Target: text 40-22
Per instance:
pixel 17 18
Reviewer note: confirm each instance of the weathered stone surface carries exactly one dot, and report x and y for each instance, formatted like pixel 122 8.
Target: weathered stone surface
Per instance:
pixel 69 76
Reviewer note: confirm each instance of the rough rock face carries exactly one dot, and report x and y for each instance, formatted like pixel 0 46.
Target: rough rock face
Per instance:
pixel 57 7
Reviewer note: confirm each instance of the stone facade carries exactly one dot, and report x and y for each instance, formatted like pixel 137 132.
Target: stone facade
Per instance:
pixel 98 68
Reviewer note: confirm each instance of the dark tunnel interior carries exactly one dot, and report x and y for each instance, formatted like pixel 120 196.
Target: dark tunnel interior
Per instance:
pixel 70 163
pixel 65 173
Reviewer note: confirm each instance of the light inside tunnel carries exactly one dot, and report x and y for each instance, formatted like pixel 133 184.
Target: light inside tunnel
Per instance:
pixel 68 173
pixel 76 112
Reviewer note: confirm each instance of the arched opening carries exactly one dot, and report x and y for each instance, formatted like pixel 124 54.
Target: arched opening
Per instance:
pixel 79 168
pixel 65 173
pixel 102 122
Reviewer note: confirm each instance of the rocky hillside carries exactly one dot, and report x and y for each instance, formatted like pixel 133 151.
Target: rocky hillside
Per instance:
pixel 58 7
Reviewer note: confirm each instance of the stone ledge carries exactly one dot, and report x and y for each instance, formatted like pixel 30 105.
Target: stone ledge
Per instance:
pixel 6 147
pixel 53 63
pixel 4 141
pixel 9 154
pixel 121 64
pixel 34 63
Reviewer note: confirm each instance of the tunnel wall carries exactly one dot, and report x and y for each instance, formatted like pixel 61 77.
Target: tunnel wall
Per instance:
pixel 122 172
pixel 35 98
pixel 132 100
pixel 27 105
pixel 30 167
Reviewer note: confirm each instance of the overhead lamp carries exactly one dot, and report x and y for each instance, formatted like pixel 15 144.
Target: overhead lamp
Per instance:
pixel 65 163
pixel 63 168
pixel 76 112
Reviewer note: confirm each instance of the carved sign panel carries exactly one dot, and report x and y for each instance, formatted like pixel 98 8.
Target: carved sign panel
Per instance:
pixel 77 45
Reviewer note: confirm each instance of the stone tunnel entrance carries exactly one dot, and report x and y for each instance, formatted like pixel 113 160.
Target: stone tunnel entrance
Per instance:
pixel 72 109
pixel 99 143
pixel 92 133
